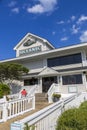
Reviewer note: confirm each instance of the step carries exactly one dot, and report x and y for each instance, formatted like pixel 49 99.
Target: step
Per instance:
pixel 41 99
pixel 40 103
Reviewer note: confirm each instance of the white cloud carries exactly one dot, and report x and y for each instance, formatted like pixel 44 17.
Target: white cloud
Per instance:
pixel 36 9
pixel 43 6
pixel 15 10
pixel 64 39
pixel 73 18
pixel 82 19
pixel 74 29
pixel 60 22
pixel 83 37
pixel 12 3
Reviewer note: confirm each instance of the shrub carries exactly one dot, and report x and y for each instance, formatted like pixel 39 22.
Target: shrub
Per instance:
pixel 73 119
pixel 4 90
pixel 83 105
pixel 27 127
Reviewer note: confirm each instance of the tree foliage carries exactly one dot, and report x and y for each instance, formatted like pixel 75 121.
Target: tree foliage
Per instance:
pixel 73 119
pixel 4 90
pixel 12 71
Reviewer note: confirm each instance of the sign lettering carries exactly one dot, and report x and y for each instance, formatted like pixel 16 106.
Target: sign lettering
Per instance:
pixel 30 50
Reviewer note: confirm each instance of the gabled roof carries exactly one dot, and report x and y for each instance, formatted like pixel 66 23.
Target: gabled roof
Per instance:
pixel 32 35
pixel 48 71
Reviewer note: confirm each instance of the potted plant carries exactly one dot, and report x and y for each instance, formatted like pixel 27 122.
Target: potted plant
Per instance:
pixel 56 97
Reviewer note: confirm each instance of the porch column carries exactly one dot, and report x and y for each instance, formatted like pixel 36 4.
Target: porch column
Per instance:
pixel 57 79
pixel 40 84
pixel 84 61
pixel 85 80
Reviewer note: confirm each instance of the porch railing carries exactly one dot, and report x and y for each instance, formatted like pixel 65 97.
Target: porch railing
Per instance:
pixel 46 118
pixel 13 108
pixel 31 90
pixel 54 88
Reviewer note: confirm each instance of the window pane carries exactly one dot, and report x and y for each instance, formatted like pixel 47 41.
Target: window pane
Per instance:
pixel 64 60
pixel 72 79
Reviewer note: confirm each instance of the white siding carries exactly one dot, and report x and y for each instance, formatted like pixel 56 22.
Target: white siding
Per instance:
pixel 34 64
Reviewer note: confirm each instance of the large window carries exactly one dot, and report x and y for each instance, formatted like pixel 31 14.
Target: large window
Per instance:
pixel 72 79
pixel 64 60
pixel 31 81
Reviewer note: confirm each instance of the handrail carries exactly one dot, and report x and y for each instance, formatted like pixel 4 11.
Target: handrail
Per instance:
pixel 47 117
pixel 33 90
pixel 52 89
pixel 13 108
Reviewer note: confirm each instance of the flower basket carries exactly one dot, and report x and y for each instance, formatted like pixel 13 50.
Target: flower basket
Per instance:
pixel 56 97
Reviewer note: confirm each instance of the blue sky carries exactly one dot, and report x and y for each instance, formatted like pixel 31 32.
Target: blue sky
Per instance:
pixel 61 22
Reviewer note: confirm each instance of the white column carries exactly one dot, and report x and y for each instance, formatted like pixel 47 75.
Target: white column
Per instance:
pixel 84 80
pixel 40 85
pixel 84 62
pixel 57 79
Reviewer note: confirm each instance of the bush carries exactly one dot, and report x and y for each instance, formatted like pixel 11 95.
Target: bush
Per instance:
pixel 4 90
pixel 83 106
pixel 73 119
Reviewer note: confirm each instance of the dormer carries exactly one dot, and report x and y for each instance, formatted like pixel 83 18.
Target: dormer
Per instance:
pixel 31 44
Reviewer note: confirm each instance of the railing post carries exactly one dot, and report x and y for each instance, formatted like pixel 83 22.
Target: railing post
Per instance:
pixel 50 99
pixel 62 106
pixel 19 95
pixel 5 111
pixel 33 102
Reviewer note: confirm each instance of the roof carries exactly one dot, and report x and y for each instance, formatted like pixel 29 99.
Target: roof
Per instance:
pixel 30 34
pixel 48 71
pixel 47 52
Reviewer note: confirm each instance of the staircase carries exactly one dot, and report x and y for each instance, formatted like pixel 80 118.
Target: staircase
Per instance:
pixel 41 100
pixel 40 103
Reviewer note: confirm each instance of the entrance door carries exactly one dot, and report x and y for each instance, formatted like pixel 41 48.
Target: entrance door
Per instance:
pixel 47 82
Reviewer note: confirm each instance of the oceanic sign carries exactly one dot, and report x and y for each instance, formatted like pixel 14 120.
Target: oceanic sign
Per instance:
pixel 15 126
pixel 29 42
pixel 30 50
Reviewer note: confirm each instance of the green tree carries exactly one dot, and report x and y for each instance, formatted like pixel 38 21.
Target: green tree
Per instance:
pixel 4 90
pixel 11 71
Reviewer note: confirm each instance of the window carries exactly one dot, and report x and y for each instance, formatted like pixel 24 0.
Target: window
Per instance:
pixel 72 79
pixel 31 81
pixel 64 60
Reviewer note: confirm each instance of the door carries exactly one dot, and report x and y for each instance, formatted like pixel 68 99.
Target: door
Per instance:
pixel 47 82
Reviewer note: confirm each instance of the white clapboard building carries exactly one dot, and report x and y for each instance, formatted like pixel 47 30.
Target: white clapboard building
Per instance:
pixel 66 66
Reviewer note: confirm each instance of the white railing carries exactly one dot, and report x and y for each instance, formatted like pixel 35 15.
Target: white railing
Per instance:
pixel 31 90
pixel 46 118
pixel 13 108
pixel 14 96
pixel 53 89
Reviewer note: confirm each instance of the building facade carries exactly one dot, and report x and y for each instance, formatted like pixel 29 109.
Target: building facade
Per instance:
pixel 66 66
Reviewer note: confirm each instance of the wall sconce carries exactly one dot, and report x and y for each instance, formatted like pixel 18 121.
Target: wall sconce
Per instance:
pixel 84 72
